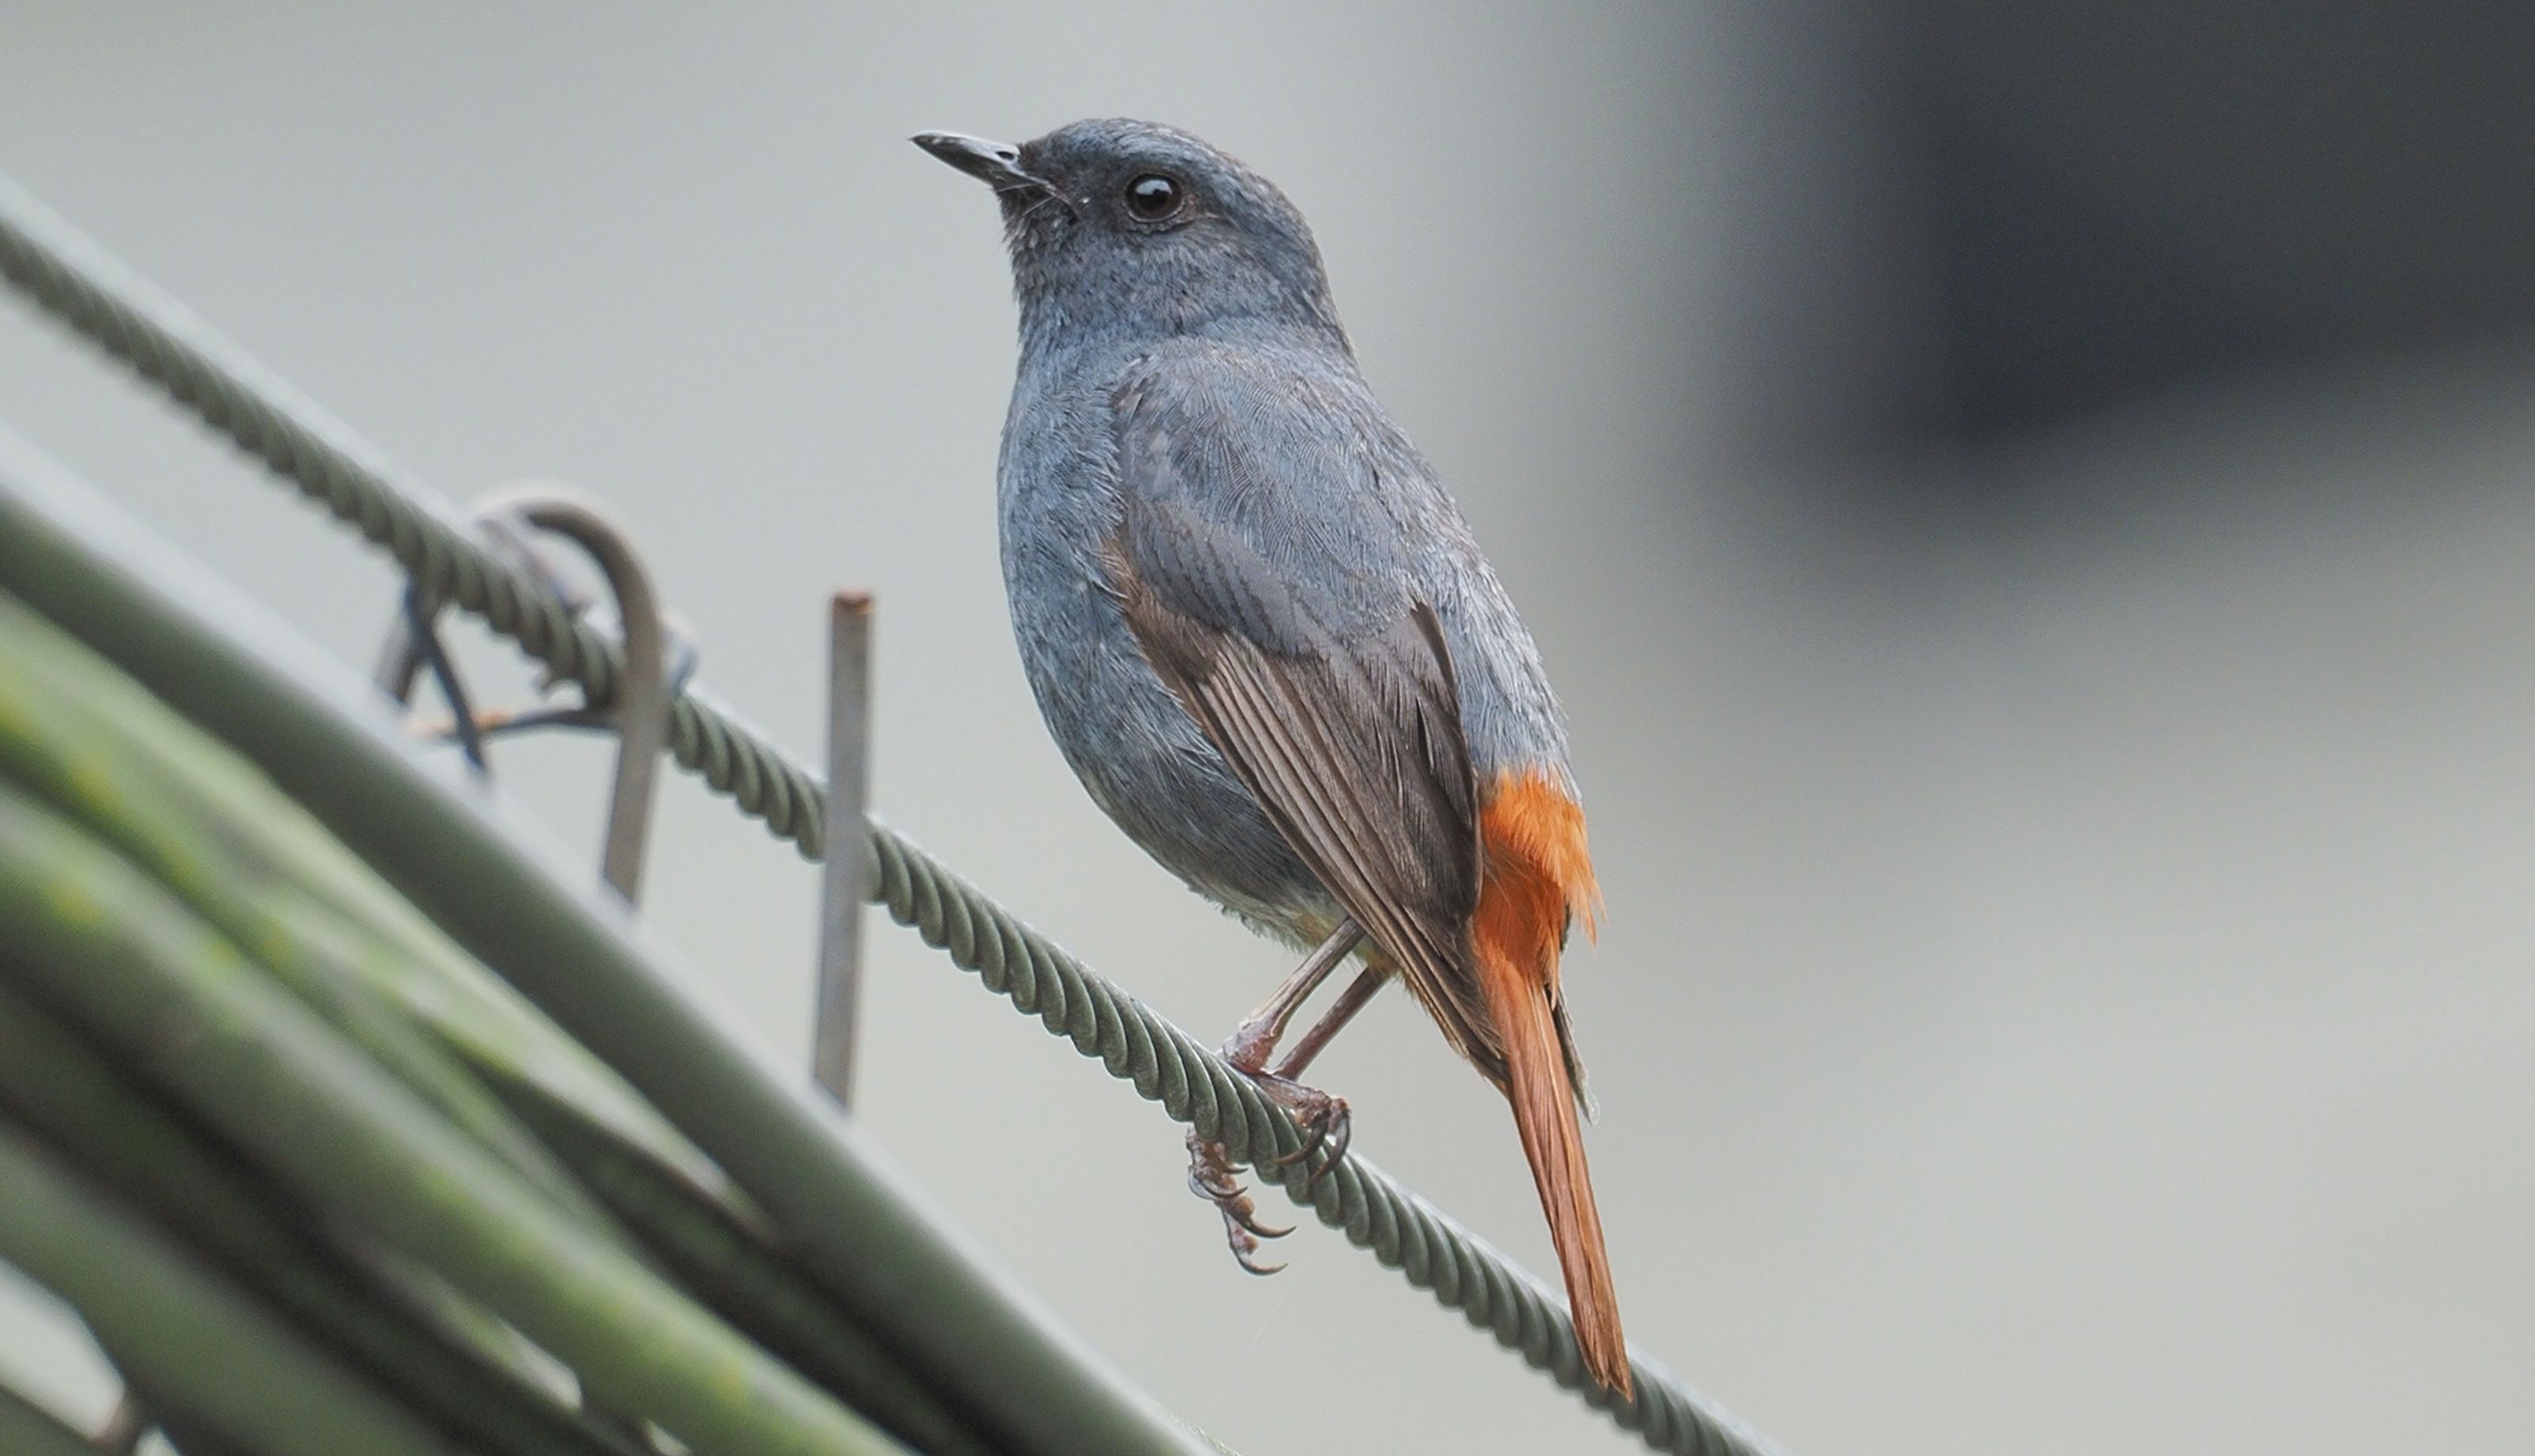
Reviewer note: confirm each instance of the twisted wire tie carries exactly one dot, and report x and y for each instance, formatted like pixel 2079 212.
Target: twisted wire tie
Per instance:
pixel 84 287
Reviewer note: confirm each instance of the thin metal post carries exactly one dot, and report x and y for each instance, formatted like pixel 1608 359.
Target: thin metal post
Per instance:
pixel 844 877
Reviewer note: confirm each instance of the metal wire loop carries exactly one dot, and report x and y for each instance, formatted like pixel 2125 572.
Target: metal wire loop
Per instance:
pixel 639 712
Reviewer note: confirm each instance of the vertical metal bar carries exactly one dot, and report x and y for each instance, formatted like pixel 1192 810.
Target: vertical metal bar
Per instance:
pixel 844 880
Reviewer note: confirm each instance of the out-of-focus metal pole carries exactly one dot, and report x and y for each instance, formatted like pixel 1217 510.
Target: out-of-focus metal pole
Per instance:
pixel 845 882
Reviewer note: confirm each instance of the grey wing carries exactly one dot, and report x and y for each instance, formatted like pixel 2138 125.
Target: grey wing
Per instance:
pixel 1255 579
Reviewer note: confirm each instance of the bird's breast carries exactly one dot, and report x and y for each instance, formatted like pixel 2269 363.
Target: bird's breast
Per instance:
pixel 1138 753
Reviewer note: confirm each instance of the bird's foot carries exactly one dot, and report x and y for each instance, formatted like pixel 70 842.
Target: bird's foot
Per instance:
pixel 1212 1175
pixel 1324 1117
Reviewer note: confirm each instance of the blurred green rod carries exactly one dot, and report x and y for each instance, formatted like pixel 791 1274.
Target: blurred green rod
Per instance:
pixel 194 1339
pixel 183 807
pixel 53 1082
pixel 90 768
pixel 466 860
pixel 29 1429
pixel 192 1440
pixel 733 1273
pixel 126 960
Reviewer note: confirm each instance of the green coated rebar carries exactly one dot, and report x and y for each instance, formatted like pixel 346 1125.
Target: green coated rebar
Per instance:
pixel 733 1270
pixel 190 1335
pixel 92 765
pixel 134 967
pixel 54 1083
pixel 29 1429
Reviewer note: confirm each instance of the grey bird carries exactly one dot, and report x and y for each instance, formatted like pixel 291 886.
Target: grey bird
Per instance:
pixel 1265 640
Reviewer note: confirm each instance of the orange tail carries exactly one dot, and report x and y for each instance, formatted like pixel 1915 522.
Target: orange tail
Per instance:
pixel 1537 874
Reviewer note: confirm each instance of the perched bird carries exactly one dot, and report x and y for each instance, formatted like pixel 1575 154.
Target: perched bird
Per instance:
pixel 1264 640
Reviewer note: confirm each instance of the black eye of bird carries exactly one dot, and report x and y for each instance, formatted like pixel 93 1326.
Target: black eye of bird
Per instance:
pixel 1153 196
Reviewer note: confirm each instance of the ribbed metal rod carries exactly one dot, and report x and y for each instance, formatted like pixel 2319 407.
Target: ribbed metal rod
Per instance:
pixel 74 279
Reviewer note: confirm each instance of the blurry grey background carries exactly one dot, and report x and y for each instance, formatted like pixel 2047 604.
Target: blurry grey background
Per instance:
pixel 2028 506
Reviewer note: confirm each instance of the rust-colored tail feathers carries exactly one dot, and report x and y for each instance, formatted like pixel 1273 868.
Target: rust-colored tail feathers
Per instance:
pixel 1537 876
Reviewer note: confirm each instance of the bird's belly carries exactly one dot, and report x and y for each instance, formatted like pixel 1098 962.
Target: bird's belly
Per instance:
pixel 1146 761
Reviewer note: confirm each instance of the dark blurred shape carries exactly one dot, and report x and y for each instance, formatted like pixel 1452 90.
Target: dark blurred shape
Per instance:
pixel 2101 202
pixel 2050 301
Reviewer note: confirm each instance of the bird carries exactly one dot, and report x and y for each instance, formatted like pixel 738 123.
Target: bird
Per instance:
pixel 1265 638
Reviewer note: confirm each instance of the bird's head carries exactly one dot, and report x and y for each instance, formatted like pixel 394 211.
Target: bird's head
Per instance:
pixel 1128 227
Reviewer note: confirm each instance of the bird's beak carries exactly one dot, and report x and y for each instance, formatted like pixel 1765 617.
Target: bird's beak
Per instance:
pixel 998 165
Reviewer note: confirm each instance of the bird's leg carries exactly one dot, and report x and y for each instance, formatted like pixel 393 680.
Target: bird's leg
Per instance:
pixel 1212 1171
pixel 1359 994
pixel 1325 1118
pixel 1255 1040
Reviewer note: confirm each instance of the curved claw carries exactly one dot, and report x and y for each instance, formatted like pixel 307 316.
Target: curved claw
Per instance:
pixel 1331 1125
pixel 1338 1138
pixel 1250 1222
pixel 1211 1176
pixel 1232 1201
pixel 1211 1183
pixel 1316 1131
pixel 1242 1257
